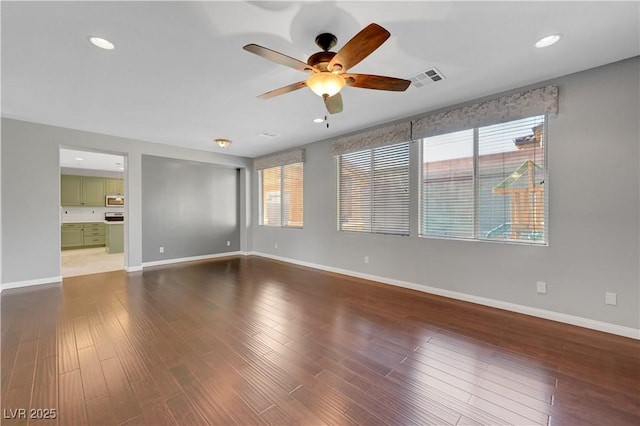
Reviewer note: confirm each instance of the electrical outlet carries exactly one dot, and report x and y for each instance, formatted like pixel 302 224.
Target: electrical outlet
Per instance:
pixel 611 298
pixel 542 287
pixel 366 259
pixel 161 249
pixel 276 245
pixel 228 243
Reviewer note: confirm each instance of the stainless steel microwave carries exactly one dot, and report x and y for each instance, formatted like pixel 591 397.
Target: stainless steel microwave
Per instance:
pixel 114 201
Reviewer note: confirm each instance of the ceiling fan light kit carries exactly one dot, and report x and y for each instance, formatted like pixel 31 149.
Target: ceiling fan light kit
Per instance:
pixel 325 83
pixel 328 69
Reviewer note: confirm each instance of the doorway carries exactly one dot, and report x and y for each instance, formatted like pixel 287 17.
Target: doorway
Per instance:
pixel 92 211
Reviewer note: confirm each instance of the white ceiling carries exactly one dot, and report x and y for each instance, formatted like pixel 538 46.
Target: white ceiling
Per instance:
pixel 91 160
pixel 179 76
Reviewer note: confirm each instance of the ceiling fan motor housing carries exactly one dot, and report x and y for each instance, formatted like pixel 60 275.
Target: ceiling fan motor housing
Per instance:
pixel 320 60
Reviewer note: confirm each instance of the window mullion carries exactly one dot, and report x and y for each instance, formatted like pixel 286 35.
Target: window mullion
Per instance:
pixel 261 194
pixel 282 177
pixel 476 150
pixel 371 180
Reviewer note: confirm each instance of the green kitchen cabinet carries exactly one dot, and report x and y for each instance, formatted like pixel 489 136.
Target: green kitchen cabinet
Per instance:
pixel 78 235
pixel 113 186
pixel 93 191
pixel 70 190
pixel 115 238
pixel 72 237
pixel 82 191
pixel 94 234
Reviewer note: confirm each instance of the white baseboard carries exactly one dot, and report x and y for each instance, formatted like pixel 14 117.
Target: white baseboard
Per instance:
pixel 190 259
pixel 29 283
pixel 522 309
pixel 133 268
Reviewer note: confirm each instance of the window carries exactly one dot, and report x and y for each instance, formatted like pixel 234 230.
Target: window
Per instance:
pixel 281 190
pixel 486 183
pixel 373 190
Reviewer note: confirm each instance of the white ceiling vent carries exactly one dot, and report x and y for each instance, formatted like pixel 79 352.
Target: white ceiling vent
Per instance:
pixel 268 134
pixel 432 75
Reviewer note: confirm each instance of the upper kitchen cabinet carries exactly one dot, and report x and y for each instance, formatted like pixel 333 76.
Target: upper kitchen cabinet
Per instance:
pixel 85 191
pixel 93 191
pixel 70 190
pixel 114 186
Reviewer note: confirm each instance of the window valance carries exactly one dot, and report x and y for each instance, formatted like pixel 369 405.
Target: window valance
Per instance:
pixel 388 135
pixel 543 100
pixel 279 159
pixel 539 101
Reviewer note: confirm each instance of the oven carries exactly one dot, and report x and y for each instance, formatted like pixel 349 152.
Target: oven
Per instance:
pixel 114 217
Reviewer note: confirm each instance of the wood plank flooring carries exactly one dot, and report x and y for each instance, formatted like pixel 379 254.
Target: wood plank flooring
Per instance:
pixel 248 341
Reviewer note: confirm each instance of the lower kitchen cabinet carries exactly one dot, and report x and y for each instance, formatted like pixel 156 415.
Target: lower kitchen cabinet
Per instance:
pixel 115 238
pixel 79 235
pixel 72 238
pixel 94 241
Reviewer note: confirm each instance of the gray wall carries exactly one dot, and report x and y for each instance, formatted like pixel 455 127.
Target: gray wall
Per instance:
pixel 189 208
pixel 31 184
pixel 594 216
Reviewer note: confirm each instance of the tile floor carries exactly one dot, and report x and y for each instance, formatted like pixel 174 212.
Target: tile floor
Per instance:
pixel 90 261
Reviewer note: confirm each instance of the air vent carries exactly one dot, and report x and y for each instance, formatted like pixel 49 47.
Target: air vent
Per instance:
pixel 268 134
pixel 432 75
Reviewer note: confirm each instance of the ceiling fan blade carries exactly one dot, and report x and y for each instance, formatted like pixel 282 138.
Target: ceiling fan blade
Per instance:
pixel 283 90
pixel 378 82
pixel 334 103
pixel 278 58
pixel 359 47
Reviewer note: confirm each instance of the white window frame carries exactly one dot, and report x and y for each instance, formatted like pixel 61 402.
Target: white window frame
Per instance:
pixel 261 195
pixel 476 236
pixel 371 229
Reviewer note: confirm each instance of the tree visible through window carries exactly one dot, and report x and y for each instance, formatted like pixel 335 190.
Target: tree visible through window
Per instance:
pixel 486 183
pixel 282 201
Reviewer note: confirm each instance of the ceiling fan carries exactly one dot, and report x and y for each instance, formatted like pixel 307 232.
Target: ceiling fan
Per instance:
pixel 329 69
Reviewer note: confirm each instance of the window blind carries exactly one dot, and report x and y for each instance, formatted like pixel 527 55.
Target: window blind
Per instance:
pixel 511 181
pixel 293 200
pixel 447 189
pixel 373 190
pixel 486 183
pixel 271 196
pixel 282 199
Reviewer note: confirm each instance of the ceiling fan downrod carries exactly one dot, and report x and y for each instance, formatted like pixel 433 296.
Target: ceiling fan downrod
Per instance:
pixel 326 41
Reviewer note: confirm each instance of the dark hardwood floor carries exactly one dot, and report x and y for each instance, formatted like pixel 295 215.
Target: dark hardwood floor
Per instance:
pixel 254 341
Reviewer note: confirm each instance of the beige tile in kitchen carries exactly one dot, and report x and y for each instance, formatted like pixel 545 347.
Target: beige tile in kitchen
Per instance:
pixel 90 261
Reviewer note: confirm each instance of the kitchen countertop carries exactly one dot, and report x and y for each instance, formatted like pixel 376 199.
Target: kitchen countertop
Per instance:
pixel 114 222
pixel 82 221
pixel 94 221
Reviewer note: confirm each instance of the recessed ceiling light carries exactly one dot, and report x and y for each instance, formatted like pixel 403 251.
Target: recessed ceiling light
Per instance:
pixel 78 159
pixel 101 43
pixel 548 40
pixel 318 120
